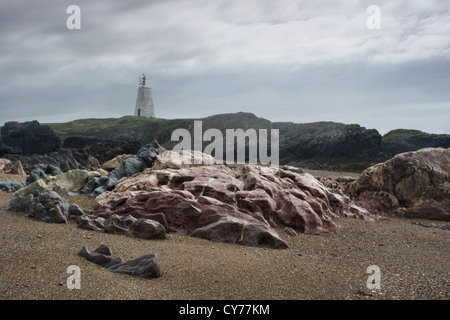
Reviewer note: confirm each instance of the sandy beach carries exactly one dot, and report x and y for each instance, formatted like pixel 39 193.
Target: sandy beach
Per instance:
pixel 413 260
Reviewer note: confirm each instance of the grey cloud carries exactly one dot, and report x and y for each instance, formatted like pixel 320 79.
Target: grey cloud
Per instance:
pixel 286 60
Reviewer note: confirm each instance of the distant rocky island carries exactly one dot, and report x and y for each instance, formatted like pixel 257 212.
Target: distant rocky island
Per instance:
pixel 317 145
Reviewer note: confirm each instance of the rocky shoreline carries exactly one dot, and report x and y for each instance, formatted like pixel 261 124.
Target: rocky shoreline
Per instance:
pixel 181 217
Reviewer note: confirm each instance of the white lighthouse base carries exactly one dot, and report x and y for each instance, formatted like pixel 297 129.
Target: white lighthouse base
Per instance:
pixel 144 104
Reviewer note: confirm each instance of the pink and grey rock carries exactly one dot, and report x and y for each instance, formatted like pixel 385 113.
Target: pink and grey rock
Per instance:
pixel 240 205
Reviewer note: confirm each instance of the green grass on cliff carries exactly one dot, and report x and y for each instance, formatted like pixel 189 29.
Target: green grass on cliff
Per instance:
pixel 402 133
pixel 113 128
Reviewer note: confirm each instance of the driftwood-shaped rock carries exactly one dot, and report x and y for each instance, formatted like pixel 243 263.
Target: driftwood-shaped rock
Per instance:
pixel 146 266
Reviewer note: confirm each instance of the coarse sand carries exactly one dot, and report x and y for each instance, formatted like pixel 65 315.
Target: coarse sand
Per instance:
pixel 414 262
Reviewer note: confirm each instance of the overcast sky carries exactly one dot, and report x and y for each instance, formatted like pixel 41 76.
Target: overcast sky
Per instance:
pixel 283 60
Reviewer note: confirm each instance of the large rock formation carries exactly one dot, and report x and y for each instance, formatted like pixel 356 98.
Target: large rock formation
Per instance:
pixel 418 179
pixel 318 145
pixel 27 138
pixel 239 205
pixel 32 143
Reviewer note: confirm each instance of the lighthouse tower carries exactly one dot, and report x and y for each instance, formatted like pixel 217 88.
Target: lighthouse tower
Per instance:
pixel 144 103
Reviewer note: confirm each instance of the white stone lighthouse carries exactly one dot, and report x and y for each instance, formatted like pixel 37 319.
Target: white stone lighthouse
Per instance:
pixel 144 103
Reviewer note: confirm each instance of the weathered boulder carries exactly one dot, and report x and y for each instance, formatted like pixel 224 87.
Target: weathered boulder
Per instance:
pixel 115 162
pixel 182 159
pixel 93 184
pixel 38 185
pixel 50 207
pixel 428 210
pixel 5 165
pixel 21 204
pixel 49 178
pixel 11 186
pixel 406 180
pixel 18 170
pixel 146 266
pixel 341 183
pixel 47 206
pixel 235 230
pixel 130 226
pixel 290 231
pixel 42 172
pixel 91 222
pixel 299 214
pixel 72 180
pixel 216 181
pixel 137 163
pixel 93 162
pixel 76 211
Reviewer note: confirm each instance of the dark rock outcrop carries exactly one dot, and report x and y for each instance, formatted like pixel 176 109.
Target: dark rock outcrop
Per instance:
pixel 64 159
pixel 146 266
pixel 328 145
pixel 21 204
pixel 47 206
pixel 101 149
pixel 11 186
pixel 402 140
pixel 42 172
pixel 317 145
pixel 27 138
